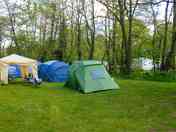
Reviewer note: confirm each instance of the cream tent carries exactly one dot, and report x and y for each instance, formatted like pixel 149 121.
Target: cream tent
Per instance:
pixel 24 63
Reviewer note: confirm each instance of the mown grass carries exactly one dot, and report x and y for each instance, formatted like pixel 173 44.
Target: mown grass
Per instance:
pixel 139 106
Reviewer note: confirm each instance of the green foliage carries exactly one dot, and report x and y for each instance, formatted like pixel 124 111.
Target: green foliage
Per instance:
pixel 28 46
pixel 3 23
pixel 152 76
pixel 49 30
pixel 142 40
pixel 160 76
pixel 160 34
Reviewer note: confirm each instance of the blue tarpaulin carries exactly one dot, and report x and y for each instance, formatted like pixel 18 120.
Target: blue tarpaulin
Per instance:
pixel 14 71
pixel 53 71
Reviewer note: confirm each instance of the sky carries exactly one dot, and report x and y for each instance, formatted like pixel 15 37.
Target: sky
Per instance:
pixel 161 14
pixel 99 8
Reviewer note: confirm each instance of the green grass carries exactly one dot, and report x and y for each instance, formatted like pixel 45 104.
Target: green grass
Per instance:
pixel 139 106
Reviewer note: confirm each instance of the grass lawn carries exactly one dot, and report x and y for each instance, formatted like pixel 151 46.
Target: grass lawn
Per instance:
pixel 139 106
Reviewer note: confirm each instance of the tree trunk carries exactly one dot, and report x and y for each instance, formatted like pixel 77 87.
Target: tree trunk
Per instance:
pixel 79 10
pixel 92 31
pixel 163 59
pixel 170 61
pixel 129 46
pixel 12 23
pixel 114 51
pixel 124 46
pixel 79 42
pixel 53 19
pixel 62 37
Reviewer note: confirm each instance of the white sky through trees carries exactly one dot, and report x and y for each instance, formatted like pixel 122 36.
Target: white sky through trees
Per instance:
pixel 99 11
pixel 99 8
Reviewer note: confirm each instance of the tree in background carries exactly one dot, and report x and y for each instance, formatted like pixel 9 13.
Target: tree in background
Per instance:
pixel 75 30
pixel 170 60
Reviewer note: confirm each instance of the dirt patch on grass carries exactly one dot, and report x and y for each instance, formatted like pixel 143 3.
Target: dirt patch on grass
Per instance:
pixel 153 130
pixel 156 130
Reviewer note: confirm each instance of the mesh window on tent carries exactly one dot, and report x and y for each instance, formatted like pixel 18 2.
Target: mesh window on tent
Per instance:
pixel 97 74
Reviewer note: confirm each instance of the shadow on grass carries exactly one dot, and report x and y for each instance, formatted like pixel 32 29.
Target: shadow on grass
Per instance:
pixel 23 83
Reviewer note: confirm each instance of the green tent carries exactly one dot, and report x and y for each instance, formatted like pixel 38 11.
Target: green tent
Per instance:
pixel 90 76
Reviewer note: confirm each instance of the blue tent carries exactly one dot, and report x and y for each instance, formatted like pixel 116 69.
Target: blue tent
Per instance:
pixel 53 71
pixel 14 71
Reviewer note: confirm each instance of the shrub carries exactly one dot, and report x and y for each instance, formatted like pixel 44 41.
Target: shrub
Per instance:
pixel 151 75
pixel 160 76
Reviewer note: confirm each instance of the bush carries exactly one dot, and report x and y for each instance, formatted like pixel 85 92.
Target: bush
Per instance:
pixel 152 76
pixel 160 76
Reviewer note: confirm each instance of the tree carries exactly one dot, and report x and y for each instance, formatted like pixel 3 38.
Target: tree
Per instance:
pixel 3 28
pixel 90 25
pixel 79 17
pixel 170 61
pixel 163 59
pixel 12 18
pixel 123 9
